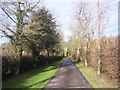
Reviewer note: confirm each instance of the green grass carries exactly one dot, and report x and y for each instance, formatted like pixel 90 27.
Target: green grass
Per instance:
pixel 36 78
pixel 96 81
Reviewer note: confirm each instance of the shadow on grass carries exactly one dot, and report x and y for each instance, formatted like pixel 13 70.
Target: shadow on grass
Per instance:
pixel 16 82
pixel 37 83
pixel 49 69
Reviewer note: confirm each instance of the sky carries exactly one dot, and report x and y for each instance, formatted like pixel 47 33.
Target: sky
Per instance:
pixel 64 10
pixel 64 14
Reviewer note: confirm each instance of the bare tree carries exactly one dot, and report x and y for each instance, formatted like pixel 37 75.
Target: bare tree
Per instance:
pixel 84 23
pixel 102 9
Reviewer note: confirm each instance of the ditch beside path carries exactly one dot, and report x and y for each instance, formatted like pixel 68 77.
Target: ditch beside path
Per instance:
pixel 68 76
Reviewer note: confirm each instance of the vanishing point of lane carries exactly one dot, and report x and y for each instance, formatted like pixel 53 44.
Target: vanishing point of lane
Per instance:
pixel 68 76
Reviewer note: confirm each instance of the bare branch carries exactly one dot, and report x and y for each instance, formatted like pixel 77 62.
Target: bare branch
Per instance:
pixel 8 28
pixel 31 8
pixel 6 34
pixel 11 10
pixel 8 15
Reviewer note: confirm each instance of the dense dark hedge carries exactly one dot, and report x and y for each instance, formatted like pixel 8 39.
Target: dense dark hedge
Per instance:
pixel 26 63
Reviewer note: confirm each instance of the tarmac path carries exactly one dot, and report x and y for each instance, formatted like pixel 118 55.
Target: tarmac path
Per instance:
pixel 68 76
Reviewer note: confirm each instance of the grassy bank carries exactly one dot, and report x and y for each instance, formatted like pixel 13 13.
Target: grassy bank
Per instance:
pixel 36 78
pixel 96 81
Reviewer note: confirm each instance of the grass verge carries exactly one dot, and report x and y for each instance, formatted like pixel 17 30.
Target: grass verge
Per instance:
pixel 36 78
pixel 96 81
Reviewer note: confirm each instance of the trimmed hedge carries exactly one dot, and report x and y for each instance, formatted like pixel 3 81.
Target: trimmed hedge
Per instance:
pixel 109 58
pixel 9 66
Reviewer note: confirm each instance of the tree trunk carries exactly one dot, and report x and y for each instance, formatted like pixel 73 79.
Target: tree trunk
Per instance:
pixel 18 58
pixel 86 63
pixel 48 54
pixel 99 33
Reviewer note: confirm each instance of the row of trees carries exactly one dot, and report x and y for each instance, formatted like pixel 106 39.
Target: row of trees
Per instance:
pixel 88 31
pixel 28 28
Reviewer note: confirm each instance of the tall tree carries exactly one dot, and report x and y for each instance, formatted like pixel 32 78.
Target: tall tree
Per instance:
pixel 42 32
pixel 17 13
pixel 84 20
pixel 101 18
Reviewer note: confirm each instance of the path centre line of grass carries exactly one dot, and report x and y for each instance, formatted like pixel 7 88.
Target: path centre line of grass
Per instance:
pixel 91 76
pixel 36 78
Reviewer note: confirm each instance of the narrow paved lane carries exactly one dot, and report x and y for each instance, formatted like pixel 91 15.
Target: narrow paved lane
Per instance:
pixel 68 76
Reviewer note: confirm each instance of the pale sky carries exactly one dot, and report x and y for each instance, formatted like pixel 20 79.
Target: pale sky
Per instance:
pixel 64 11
